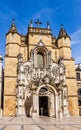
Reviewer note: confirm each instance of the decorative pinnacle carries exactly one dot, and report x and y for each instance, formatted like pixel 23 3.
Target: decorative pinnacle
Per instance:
pixel 62 26
pixel 13 21
pixel 48 25
pixel 13 27
pixel 62 32
pixel 31 21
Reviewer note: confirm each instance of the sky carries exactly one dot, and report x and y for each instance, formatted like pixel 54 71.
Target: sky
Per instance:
pixel 57 12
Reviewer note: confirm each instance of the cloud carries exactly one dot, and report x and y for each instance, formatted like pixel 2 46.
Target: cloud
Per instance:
pixel 76 37
pixel 6 12
pixel 78 59
pixel 44 15
pixel 43 12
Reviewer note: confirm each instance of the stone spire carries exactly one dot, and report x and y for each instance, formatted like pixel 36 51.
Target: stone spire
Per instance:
pixel 13 27
pixel 62 32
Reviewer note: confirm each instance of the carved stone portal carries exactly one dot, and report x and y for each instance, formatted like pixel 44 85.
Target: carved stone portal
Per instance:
pixel 40 85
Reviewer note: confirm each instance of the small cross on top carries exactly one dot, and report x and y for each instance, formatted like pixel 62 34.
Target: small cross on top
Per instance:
pixel 38 23
pixel 62 26
pixel 13 21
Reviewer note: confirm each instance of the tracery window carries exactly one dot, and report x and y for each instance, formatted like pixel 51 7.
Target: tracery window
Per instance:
pixel 78 76
pixel 40 60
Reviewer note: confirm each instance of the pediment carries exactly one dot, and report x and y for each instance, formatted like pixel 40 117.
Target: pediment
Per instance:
pixel 40 43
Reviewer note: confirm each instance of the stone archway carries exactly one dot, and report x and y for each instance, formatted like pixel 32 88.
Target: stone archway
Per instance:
pixel 49 94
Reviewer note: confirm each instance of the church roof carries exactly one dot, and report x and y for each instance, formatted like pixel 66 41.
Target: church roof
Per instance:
pixel 13 28
pixel 62 33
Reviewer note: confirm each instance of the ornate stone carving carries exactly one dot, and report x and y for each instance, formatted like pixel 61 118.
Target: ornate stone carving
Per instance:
pixel 30 78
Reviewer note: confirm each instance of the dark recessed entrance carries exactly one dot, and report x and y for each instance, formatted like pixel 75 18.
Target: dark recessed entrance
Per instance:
pixel 43 105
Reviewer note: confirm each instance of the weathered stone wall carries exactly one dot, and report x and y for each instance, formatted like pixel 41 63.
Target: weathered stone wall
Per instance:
pixel 14 47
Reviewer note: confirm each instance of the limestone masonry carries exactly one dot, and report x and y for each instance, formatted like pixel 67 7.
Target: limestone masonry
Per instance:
pixel 39 73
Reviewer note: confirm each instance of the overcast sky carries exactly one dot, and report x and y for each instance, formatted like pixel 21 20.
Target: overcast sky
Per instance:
pixel 66 12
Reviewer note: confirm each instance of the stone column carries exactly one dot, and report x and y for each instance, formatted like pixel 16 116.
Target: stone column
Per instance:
pixel 20 101
pixel 37 105
pixel 34 109
pixel 60 105
pixel 57 105
pixel 20 86
pixel 65 102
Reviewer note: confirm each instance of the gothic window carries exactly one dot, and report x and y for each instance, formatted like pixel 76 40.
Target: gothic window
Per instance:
pixel 79 97
pixel 40 60
pixel 79 92
pixel 78 76
pixel 41 56
pixel 79 102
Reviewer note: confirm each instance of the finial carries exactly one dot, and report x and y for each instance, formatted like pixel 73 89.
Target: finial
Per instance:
pixel 48 25
pixel 38 23
pixel 12 28
pixel 31 21
pixel 62 32
pixel 13 21
pixel 62 26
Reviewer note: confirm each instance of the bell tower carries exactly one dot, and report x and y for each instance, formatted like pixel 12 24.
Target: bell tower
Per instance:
pixel 64 49
pixel 10 72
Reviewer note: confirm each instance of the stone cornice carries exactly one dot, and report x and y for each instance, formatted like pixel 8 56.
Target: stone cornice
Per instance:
pixel 9 94
pixel 10 76
pixel 72 95
pixel 36 33
pixel 64 46
pixel 11 43
pixel 54 47
pixel 21 45
pixel 70 78
pixel 10 56
pixel 38 28
pixel 72 59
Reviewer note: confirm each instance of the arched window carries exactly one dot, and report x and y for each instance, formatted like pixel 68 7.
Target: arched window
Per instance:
pixel 78 76
pixel 40 60
pixel 79 102
pixel 43 90
pixel 79 97
pixel 79 92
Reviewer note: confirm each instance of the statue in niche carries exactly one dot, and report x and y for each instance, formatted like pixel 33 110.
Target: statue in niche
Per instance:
pixel 55 72
pixel 65 92
pixel 61 66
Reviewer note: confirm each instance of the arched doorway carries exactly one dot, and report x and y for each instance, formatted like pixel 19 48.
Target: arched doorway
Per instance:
pixel 43 106
pixel 43 102
pixel 47 101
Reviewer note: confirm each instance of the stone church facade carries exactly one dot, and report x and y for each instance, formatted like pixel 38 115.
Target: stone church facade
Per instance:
pixel 39 73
